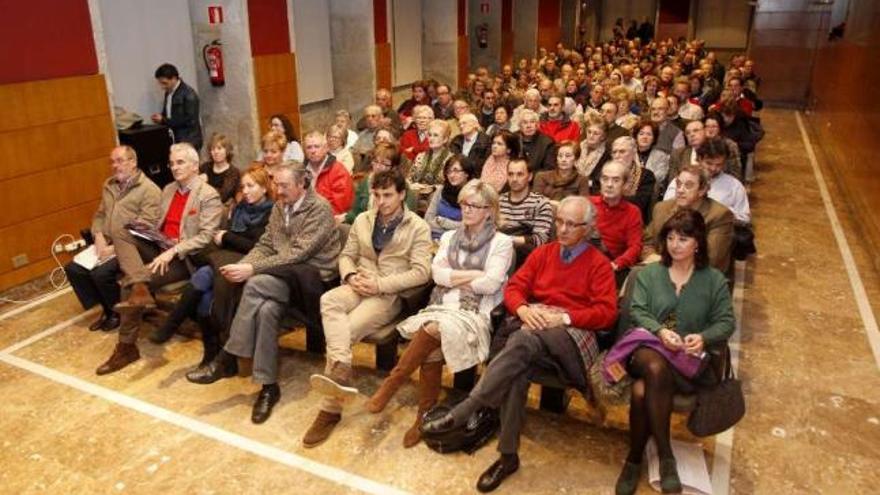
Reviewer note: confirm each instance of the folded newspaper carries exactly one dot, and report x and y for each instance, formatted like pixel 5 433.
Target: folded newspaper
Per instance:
pixel 149 233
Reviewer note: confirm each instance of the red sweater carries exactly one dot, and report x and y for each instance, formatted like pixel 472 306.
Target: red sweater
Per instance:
pixel 585 288
pixel 410 146
pixel 560 130
pixel 621 230
pixel 171 225
pixel 335 185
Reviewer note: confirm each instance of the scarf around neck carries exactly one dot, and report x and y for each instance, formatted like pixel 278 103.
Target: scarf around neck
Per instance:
pixel 246 215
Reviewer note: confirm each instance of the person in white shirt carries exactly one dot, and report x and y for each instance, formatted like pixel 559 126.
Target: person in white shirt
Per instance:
pixel 723 187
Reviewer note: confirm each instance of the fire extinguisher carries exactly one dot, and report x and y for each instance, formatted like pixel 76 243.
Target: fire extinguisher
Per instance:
pixel 212 53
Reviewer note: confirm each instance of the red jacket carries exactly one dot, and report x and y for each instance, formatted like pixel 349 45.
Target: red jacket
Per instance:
pixel 621 230
pixel 560 130
pixel 335 185
pixel 410 146
pixel 585 288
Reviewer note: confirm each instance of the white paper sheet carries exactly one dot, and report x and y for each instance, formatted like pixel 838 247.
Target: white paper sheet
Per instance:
pixel 691 463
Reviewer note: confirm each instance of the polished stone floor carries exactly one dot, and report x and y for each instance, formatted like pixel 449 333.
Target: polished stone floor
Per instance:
pixel 812 387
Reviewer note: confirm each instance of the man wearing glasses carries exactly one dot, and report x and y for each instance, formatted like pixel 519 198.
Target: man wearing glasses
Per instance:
pixel 561 296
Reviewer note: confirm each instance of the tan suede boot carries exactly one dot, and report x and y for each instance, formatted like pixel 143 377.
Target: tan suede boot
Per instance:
pixel 419 348
pixel 430 376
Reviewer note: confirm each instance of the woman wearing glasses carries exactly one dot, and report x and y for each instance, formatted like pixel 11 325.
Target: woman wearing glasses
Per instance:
pixel 444 211
pixel 469 270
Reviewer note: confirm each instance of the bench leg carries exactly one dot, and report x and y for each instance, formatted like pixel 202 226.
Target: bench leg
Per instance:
pixel 465 380
pixel 315 342
pixel 553 399
pixel 386 355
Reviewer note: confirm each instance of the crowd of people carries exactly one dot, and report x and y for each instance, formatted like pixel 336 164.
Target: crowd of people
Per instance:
pixel 542 189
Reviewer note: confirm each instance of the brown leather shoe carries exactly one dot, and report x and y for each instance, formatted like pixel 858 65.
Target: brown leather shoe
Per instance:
pixel 123 355
pixel 321 429
pixel 138 298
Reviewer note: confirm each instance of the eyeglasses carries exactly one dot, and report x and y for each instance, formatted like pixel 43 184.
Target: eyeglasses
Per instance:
pixel 120 160
pixel 686 185
pixel 567 224
pixel 454 171
pixel 471 206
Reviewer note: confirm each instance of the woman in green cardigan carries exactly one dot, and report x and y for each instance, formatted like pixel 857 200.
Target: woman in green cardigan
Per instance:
pixel 686 304
pixel 383 157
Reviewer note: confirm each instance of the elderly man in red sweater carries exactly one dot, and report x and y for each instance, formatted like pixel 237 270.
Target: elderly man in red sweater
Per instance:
pixel 556 124
pixel 330 177
pixel 557 300
pixel 618 221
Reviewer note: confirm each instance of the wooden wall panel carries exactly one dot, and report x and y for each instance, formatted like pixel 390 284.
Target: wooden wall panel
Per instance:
pixel 55 138
pixel 383 65
pixel 549 29
pixel 507 32
pixel 463 60
pixel 275 82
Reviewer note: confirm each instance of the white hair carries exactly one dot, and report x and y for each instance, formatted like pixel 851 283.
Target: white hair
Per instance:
pixel 583 202
pixel 187 150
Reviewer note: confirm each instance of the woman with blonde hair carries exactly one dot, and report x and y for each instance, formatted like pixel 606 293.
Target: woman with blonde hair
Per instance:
pixel 469 270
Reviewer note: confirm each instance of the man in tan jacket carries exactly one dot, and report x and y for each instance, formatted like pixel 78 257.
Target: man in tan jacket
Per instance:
pixel 387 252
pixel 190 215
pixel 127 196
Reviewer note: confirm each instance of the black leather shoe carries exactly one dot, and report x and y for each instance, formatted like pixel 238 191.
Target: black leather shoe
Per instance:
pixel 217 369
pixel 439 425
pixel 99 323
pixel 112 322
pixel 497 472
pixel 265 402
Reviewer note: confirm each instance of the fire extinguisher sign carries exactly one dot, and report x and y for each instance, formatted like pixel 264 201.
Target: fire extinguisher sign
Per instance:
pixel 215 14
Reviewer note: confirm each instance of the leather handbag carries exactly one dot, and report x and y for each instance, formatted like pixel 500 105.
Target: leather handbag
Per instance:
pixel 719 407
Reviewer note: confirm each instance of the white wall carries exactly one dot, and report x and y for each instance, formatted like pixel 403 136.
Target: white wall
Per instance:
pixel 311 28
pixel 525 29
pixel 138 37
pixel 406 17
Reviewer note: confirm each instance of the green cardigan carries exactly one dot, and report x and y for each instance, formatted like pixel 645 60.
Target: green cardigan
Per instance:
pixel 703 307
pixel 362 200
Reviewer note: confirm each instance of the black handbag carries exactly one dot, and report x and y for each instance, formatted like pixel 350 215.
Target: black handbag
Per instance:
pixel 743 242
pixel 482 425
pixel 719 407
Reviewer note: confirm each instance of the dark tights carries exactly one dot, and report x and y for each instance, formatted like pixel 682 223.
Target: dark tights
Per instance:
pixel 651 404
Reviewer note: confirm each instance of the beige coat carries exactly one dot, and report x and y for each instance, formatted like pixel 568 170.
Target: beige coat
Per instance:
pixel 140 203
pixel 719 230
pixel 404 263
pixel 201 215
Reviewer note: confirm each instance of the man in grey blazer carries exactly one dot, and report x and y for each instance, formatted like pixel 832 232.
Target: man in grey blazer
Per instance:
pixel 190 215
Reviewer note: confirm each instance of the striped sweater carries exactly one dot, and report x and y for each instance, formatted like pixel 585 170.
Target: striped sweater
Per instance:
pixel 533 215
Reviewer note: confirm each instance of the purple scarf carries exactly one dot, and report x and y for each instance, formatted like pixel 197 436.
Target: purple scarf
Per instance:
pixel 613 367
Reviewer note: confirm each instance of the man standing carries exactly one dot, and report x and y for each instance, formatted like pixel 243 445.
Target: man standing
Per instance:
pixel 287 266
pixel 128 196
pixel 388 251
pixel 527 216
pixel 180 110
pixel 190 213
pixel 561 296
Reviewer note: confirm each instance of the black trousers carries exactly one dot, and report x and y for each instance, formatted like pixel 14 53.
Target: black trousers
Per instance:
pixel 96 286
pixel 177 269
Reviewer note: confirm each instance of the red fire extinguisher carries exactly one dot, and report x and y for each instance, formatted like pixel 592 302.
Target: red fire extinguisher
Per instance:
pixel 212 53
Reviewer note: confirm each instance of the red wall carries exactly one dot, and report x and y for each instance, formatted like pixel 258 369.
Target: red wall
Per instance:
pixel 268 25
pixel 45 39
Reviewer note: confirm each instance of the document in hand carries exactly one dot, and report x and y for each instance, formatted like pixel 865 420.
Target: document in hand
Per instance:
pixel 691 463
pixel 88 258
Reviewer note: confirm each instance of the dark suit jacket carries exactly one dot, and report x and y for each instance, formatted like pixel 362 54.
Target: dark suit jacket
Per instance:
pixel 539 153
pixel 719 230
pixel 184 120
pixel 478 153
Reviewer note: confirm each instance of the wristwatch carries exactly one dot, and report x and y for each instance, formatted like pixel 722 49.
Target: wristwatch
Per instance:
pixel 566 319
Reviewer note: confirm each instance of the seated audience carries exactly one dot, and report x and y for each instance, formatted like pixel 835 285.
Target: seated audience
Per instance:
pixel 343 120
pixel 388 251
pixel 712 129
pixel 336 146
pixel 472 143
pixel 444 212
pixel 639 189
pixel 526 216
pixel 531 102
pixel 691 193
pixel 622 97
pixel 427 168
pixel 190 214
pixel 594 151
pixel 501 122
pixel 330 179
pixel 292 150
pixel 723 187
pixel 127 196
pixel 239 233
pixel 505 145
pixel 443 106
pixel 613 130
pixel 558 300
pixel 538 150
pixel 669 136
pixel 680 308
pixel 651 157
pixel 415 139
pixel 695 135
pixel 419 96
pixel 290 265
pixel 387 116
pixel 619 222
pixel 372 120
pixel 556 124
pixel 383 157
pixel 221 174
pixel 564 180
pixel 469 271
pixel 272 155
pixel 486 110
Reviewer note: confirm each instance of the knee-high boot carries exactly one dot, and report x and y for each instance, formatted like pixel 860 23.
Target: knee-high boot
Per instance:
pixel 430 376
pixel 210 340
pixel 419 348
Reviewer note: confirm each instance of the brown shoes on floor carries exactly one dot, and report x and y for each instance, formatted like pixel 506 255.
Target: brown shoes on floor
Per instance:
pixel 123 355
pixel 321 429
pixel 138 298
